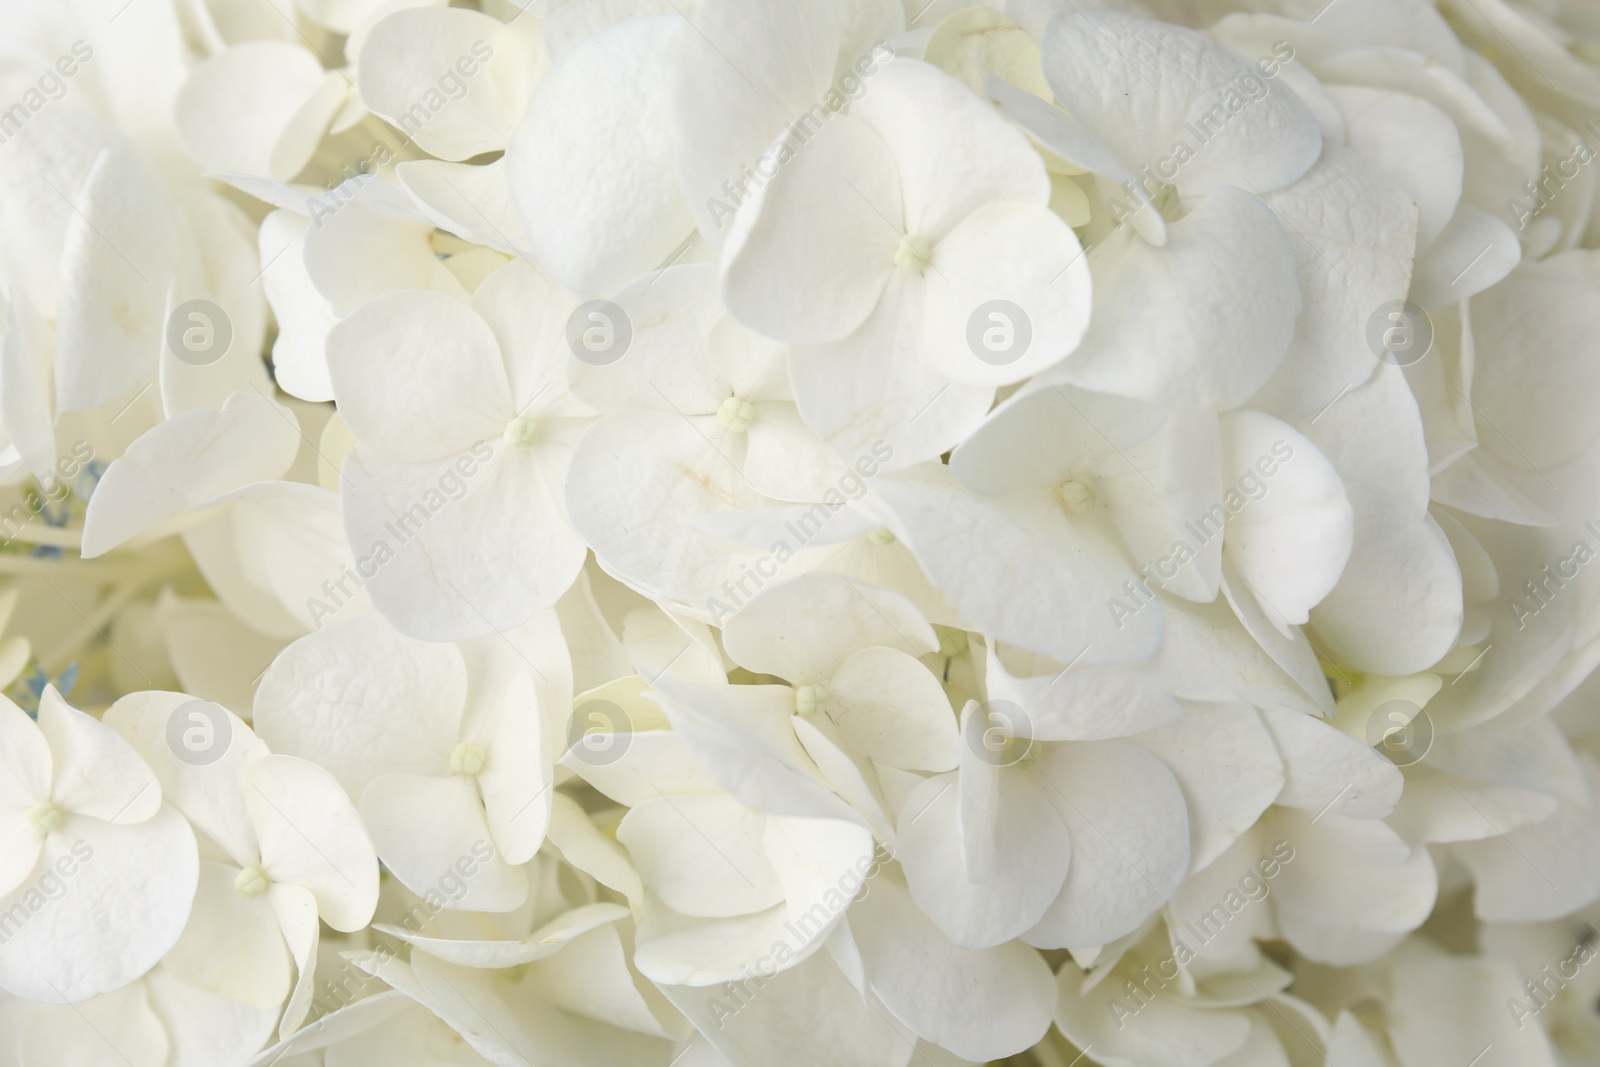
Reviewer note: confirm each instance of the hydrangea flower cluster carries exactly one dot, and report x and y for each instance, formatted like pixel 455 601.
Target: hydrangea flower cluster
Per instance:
pixel 771 533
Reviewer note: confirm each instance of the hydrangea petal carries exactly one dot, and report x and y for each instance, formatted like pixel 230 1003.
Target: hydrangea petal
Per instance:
pixel 1130 840
pixel 597 215
pixel 982 1004
pixel 128 904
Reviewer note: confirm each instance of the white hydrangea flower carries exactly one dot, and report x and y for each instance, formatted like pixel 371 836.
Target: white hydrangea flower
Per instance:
pixel 81 805
pixel 1197 162
pixel 291 841
pixel 882 250
pixel 455 739
pixel 858 532
pixel 474 444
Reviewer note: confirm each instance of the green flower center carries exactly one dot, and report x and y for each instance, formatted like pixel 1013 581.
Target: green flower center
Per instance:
pixel 467 758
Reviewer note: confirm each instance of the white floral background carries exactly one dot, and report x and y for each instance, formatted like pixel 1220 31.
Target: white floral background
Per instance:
pixel 772 533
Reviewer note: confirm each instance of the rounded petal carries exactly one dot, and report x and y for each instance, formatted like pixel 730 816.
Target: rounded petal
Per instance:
pixel 742 739
pixel 890 707
pixel 668 363
pixel 1445 1008
pixel 529 315
pixel 257 108
pixel 836 1026
pixel 1286 645
pixel 786 460
pixel 1008 295
pixel 124 907
pixel 509 719
pixel 1353 232
pixel 1207 654
pixel 1412 141
pixel 634 478
pixel 717 950
pixel 1227 767
pixel 121 1023
pixel 209 793
pixel 97 772
pixel 1030 849
pixel 1203 321
pixel 181 464
pixel 368 239
pixel 1397 608
pixel 724 119
pixel 591 164
pixel 24 781
pixel 1328 771
pixel 810 253
pixel 701 855
pixel 1130 840
pixel 232 948
pixel 451 559
pixel 1375 434
pixel 804 630
pixel 1540 871
pixel 470 200
pixel 296 911
pixel 874 396
pixel 304 316
pixel 1289 543
pixel 25 765
pixel 1019 570
pixel 407 56
pixel 312 837
pixel 423 827
pixel 1040 437
pixel 1352 888
pixel 953 152
pixel 981 1004
pixel 1530 389
pixel 1166 1030
pixel 418 378
pixel 1099 62
pixel 1473 252
pixel 112 311
pixel 361 699
pixel 1078 703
